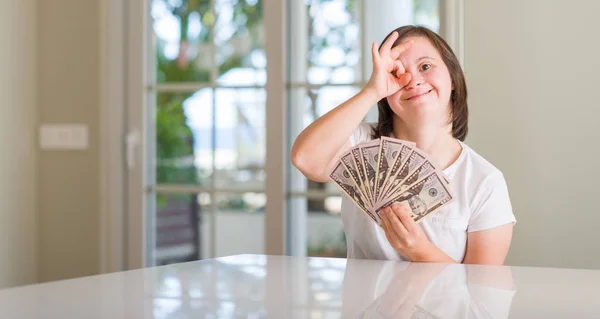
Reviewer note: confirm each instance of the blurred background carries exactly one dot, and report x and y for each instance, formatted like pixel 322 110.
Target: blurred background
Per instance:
pixel 148 132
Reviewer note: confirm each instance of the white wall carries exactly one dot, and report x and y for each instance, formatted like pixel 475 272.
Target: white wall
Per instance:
pixel 17 142
pixel 532 72
pixel 68 181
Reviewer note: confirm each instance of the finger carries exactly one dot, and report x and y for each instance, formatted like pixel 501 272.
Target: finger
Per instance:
pixel 388 232
pixel 375 53
pixel 384 221
pixel 404 217
pixel 404 79
pixel 397 225
pixel 397 50
pixel 399 68
pixel 387 45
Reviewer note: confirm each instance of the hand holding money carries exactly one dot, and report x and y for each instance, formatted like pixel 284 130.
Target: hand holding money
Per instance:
pixel 403 233
pixel 381 172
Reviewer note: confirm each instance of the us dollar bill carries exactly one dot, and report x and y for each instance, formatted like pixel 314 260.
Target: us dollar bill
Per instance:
pixel 388 152
pixel 348 160
pixel 369 152
pixel 424 197
pixel 362 173
pixel 344 180
pixel 399 160
pixel 425 169
pixel 413 162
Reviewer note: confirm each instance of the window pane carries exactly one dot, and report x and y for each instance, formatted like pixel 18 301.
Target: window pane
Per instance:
pixel 325 99
pixel 184 134
pixel 330 33
pixel 239 40
pixel 184 226
pixel 306 105
pixel 178 232
pixel 427 13
pixel 239 224
pixel 182 40
pixel 240 148
pixel 325 229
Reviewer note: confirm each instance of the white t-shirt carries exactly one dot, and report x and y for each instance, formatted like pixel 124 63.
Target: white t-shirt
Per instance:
pixel 481 202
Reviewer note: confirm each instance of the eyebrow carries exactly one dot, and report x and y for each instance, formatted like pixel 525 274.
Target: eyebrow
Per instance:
pixel 424 57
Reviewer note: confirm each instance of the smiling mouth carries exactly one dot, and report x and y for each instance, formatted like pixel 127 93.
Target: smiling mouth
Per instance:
pixel 418 96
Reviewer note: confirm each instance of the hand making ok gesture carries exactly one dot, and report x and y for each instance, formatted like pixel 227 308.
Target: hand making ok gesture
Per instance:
pixel 389 75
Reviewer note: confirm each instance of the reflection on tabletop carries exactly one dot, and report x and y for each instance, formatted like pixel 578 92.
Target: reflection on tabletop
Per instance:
pixel 332 288
pixel 299 287
pixel 413 290
pixel 259 286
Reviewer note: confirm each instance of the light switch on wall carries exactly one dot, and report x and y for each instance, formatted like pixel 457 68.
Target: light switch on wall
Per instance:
pixel 63 137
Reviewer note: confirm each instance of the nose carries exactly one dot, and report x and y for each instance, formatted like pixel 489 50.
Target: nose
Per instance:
pixel 415 81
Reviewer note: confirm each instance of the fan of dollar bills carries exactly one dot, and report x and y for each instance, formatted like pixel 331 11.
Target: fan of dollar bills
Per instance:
pixel 381 172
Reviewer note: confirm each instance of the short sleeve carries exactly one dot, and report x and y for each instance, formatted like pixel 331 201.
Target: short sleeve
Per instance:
pixel 492 206
pixel 361 134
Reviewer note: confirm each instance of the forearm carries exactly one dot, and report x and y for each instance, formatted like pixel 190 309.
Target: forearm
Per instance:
pixel 431 254
pixel 318 144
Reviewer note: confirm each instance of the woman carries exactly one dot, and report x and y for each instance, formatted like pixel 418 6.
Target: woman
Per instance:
pixel 421 94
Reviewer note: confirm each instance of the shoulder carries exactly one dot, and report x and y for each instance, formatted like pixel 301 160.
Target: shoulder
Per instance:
pixel 362 133
pixel 478 175
pixel 477 170
pixel 481 178
pixel 485 192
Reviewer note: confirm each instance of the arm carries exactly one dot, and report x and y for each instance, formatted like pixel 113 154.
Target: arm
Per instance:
pixel 488 246
pixel 318 147
pixel 491 224
pixel 315 155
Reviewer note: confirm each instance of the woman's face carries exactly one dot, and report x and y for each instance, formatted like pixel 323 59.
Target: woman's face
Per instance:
pixel 427 95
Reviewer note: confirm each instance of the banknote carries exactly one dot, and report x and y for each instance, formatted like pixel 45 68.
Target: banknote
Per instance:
pixel 414 160
pixel 369 152
pixel 362 173
pixel 388 152
pixel 398 161
pixel 380 172
pixel 348 160
pixel 424 197
pixel 342 177
pixel 425 169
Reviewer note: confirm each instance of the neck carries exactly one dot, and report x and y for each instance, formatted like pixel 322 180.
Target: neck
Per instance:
pixel 438 142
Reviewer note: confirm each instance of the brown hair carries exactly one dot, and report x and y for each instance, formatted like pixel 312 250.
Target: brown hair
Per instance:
pixel 459 112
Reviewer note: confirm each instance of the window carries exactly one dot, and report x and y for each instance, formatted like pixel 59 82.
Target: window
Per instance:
pixel 209 126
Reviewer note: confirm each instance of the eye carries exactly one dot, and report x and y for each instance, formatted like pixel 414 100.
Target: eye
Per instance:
pixel 425 66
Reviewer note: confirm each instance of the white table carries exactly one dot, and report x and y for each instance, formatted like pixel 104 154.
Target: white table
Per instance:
pixel 254 286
